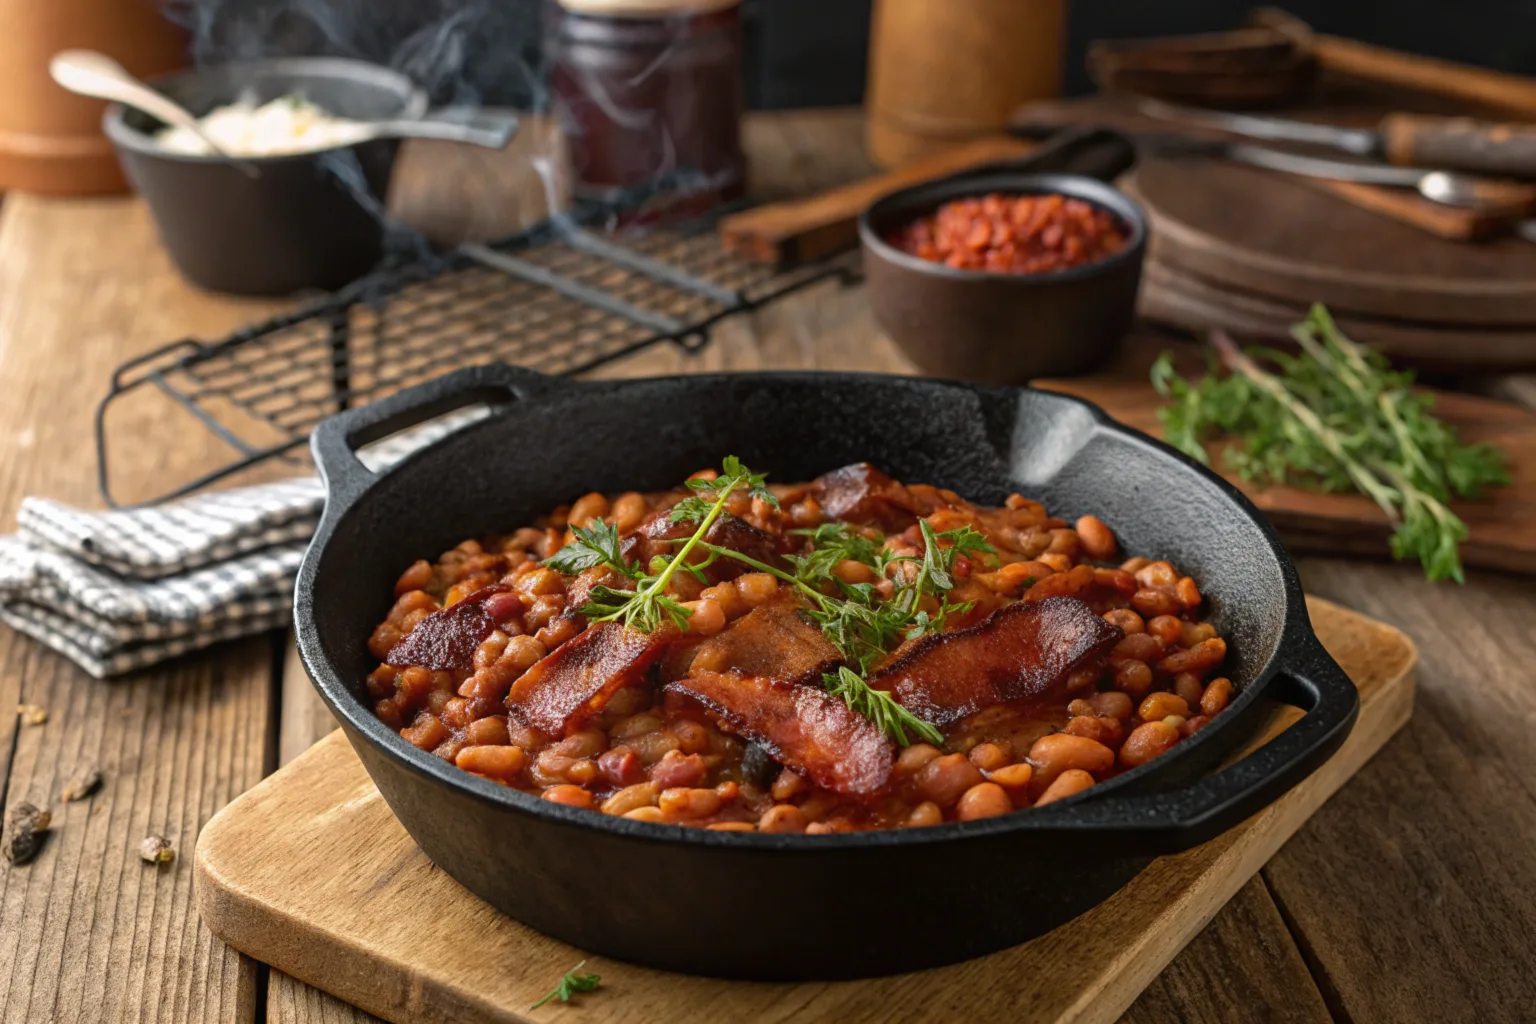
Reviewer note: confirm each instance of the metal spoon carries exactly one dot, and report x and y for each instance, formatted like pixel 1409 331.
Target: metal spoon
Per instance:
pixel 95 74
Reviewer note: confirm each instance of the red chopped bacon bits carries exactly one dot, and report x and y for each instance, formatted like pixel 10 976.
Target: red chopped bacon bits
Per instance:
pixel 1014 234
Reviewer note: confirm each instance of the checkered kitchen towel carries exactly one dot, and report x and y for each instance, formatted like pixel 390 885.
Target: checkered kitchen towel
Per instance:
pixel 116 591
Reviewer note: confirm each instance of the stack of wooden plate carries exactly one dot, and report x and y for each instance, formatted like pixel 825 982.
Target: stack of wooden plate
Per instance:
pixel 1249 250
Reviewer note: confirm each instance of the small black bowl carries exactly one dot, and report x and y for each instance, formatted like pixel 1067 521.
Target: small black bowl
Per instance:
pixel 1001 328
pixel 306 220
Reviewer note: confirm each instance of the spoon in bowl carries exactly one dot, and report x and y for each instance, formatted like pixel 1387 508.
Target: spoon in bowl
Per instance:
pixel 95 74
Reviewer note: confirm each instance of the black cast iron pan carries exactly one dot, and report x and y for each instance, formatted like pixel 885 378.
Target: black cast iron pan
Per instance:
pixel 792 906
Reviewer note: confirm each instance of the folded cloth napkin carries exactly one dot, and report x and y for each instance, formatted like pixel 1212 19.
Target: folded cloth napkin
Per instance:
pixel 117 591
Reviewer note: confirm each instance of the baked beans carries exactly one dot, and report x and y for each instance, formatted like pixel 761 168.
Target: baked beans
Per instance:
pixel 652 753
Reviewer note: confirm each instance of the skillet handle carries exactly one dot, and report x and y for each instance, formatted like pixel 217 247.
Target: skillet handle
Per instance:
pixel 1179 819
pixel 337 438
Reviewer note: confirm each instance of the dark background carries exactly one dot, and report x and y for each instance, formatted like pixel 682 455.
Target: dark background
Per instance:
pixel 812 52
pixel 799 52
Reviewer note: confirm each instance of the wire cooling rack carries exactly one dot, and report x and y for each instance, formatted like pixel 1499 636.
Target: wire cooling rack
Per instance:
pixel 563 297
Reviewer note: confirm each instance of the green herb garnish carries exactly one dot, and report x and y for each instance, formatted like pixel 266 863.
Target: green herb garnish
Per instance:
pixel 733 476
pixel 594 545
pixel 1335 418
pixel 573 982
pixel 860 622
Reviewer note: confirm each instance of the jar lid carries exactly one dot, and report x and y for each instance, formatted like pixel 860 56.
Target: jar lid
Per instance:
pixel 645 8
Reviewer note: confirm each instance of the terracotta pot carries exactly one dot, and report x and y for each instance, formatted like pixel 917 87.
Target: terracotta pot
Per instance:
pixel 51 140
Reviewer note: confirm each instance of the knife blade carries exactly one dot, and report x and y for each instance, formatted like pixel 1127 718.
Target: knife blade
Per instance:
pixel 1447 143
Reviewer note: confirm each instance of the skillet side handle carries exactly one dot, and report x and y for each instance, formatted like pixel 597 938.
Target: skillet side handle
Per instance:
pixel 1182 818
pixel 336 439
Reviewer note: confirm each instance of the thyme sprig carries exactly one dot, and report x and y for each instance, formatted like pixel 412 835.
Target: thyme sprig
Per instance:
pixel 1335 418
pixel 573 982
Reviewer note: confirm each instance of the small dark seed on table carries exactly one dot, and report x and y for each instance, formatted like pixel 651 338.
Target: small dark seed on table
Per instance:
pixel 25 826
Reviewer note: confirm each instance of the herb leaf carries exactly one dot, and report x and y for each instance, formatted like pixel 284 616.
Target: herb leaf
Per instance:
pixel 879 707
pixel 1335 418
pixel 573 982
pixel 733 476
pixel 594 545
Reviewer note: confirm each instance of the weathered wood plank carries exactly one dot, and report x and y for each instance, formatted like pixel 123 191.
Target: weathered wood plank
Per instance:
pixel 88 931
pixel 1411 889
pixel 1242 968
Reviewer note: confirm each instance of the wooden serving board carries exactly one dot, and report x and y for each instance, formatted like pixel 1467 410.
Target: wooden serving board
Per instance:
pixel 309 872
pixel 1502 528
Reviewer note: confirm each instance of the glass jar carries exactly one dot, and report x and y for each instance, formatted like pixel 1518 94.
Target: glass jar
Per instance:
pixel 643 88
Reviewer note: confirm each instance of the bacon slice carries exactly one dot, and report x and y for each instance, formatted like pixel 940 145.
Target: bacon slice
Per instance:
pixel 804 727
pixel 773 640
pixel 864 495
pixel 1022 651
pixel 658 535
pixel 572 684
pixel 446 640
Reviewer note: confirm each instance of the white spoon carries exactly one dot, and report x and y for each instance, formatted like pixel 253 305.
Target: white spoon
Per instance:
pixel 95 74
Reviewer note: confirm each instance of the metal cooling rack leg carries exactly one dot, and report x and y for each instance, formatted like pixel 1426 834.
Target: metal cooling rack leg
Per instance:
pixel 341 357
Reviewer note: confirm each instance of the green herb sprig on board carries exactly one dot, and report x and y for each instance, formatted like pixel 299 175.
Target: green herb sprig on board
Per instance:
pixel 1337 417
pixel 573 982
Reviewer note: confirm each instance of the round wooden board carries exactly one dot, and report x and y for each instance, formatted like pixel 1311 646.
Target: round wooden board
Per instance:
pixel 1171 296
pixel 1272 235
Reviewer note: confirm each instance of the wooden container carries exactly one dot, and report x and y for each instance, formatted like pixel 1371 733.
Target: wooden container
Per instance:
pixel 51 139
pixel 944 73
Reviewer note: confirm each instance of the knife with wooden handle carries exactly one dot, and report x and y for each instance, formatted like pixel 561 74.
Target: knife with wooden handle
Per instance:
pixel 1408 140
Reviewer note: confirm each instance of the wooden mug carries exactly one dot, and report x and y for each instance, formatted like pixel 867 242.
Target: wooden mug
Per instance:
pixel 944 73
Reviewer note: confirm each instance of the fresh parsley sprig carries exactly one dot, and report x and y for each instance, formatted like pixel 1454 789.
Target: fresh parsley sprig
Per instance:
pixel 593 546
pixel 573 982
pixel 733 476
pixel 1335 418
pixel 649 606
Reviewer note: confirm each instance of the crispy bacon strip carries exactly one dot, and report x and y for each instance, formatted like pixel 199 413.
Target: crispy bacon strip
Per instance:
pixel 864 495
pixel 1021 651
pixel 657 535
pixel 446 640
pixel 572 684
pixel 804 727
pixel 773 640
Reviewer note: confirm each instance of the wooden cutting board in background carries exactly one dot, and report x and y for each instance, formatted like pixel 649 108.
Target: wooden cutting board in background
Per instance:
pixel 1502 528
pixel 310 872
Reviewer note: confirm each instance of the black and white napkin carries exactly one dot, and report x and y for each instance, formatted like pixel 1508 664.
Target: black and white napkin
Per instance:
pixel 119 590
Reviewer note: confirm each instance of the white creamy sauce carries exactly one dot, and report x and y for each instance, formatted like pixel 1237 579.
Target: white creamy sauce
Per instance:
pixel 288 124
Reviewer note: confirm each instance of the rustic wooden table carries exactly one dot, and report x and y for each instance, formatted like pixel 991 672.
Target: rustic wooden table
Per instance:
pixel 1410 896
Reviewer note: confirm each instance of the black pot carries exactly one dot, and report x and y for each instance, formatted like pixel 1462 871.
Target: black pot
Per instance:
pixel 1002 328
pixel 784 907
pixel 308 220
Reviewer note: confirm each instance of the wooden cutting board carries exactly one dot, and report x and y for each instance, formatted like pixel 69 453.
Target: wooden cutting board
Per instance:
pixel 1502 529
pixel 310 872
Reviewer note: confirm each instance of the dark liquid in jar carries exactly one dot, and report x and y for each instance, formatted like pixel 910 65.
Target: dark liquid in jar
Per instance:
pixel 640 97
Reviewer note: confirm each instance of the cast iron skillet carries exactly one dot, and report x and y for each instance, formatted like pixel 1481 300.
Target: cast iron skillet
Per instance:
pixel 791 906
